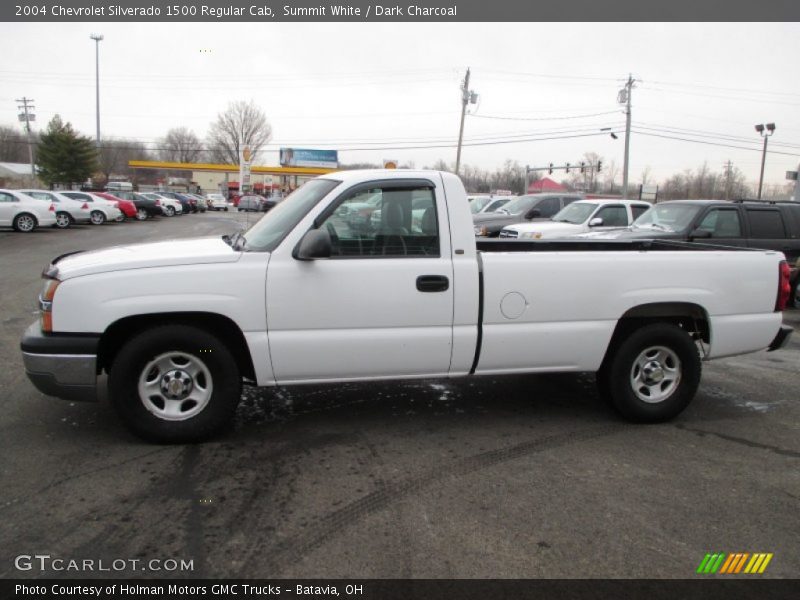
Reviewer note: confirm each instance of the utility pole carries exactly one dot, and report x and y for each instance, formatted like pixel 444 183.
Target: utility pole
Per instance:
pixel 27 117
pixel 624 97
pixel 728 179
pixel 97 39
pixel 468 96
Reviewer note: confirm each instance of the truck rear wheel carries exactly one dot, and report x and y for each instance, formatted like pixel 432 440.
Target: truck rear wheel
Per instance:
pixel 175 384
pixel 652 375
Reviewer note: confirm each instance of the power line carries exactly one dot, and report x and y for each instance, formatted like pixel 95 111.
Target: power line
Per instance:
pixel 608 112
pixel 669 137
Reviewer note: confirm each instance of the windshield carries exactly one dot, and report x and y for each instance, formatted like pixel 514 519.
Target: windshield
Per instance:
pixel 518 205
pixel 273 227
pixel 667 217
pixel 477 203
pixel 576 213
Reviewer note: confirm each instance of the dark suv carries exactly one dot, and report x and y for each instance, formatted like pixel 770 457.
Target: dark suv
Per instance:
pixel 766 225
pixel 519 209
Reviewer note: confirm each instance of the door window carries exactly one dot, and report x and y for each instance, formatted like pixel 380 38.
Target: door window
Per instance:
pixel 7 197
pixel 548 207
pixel 722 223
pixel 613 216
pixel 385 223
pixel 766 224
pixel 638 210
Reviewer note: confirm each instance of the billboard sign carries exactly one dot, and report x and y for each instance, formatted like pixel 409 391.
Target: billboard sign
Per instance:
pixel 303 157
pixel 244 169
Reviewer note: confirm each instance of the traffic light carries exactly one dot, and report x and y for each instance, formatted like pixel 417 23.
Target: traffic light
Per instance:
pixel 583 167
pixel 567 170
pixel 550 170
pixel 599 165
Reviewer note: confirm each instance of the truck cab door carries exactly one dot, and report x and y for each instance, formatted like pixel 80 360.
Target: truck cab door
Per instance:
pixel 382 304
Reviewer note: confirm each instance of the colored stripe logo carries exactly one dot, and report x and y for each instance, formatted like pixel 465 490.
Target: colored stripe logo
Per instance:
pixel 734 563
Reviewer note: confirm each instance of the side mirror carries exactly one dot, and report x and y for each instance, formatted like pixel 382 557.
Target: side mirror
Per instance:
pixel 315 244
pixel 700 234
pixel 596 222
pixel 533 214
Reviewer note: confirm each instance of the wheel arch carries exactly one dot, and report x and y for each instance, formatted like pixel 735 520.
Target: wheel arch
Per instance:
pixel 689 316
pixel 115 336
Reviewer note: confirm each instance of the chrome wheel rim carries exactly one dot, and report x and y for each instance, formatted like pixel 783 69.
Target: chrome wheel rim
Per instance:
pixel 141 214
pixel 62 220
pixel 25 223
pixel 97 217
pixel 175 386
pixel 170 211
pixel 656 374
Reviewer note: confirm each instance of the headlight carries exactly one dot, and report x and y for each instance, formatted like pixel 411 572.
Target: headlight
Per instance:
pixel 531 235
pixel 46 304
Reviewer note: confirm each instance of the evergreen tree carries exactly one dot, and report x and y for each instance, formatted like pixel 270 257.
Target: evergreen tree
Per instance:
pixel 63 156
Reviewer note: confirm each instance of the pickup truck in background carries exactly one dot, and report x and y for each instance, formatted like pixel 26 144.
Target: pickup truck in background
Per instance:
pixel 302 297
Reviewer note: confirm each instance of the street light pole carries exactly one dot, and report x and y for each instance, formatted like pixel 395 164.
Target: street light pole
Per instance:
pixel 765 132
pixel 97 39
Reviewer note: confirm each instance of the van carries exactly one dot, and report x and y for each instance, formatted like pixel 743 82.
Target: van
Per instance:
pixel 119 186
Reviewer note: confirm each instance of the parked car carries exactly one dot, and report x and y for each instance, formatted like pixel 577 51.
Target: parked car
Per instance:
pixel 145 207
pixel 391 304
pixel 580 217
pixel 522 208
pixel 496 203
pixel 760 224
pixel 188 203
pixel 127 208
pixel 255 203
pixel 24 213
pixel 478 203
pixel 202 206
pixel 100 209
pixel 68 210
pixel 217 202
pixel 169 206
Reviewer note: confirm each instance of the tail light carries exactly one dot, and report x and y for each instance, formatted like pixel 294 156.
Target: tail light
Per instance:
pixel 52 208
pixel 784 289
pixel 46 304
pixel 85 206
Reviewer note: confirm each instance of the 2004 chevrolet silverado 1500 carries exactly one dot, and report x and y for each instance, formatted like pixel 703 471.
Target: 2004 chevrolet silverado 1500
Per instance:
pixel 325 288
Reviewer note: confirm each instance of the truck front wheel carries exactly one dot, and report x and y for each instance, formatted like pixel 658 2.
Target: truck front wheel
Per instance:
pixel 175 384
pixel 653 374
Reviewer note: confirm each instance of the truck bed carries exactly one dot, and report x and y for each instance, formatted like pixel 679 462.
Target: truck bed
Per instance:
pixel 506 245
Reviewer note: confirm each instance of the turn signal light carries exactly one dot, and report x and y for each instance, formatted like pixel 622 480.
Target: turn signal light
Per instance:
pixel 46 305
pixel 784 289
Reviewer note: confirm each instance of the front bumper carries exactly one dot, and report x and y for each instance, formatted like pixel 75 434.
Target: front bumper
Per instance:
pixel 781 339
pixel 61 365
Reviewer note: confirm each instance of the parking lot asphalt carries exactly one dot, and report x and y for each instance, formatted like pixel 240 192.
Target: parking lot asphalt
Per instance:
pixel 524 476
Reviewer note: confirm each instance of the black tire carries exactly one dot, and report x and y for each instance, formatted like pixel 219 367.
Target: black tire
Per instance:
pixel 225 209
pixel 97 217
pixel 794 299
pixel 141 214
pixel 170 211
pixel 665 350
pixel 25 223
pixel 63 220
pixel 140 415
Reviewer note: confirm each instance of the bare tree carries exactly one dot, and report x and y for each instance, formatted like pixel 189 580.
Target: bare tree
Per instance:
pixel 241 123
pixel 610 179
pixel 646 175
pixel 115 154
pixel 180 145
pixel 13 145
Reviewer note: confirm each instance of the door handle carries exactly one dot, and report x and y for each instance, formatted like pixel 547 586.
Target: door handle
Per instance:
pixel 432 283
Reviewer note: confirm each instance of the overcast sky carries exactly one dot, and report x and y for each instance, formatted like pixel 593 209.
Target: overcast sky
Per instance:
pixel 367 85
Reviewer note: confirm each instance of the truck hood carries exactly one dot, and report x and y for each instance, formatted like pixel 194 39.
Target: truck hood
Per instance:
pixel 644 233
pixel 168 253
pixel 549 228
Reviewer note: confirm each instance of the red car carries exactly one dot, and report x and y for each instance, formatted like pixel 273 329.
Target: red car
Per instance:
pixel 127 207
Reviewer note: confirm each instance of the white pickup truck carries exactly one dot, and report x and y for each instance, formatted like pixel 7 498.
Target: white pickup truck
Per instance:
pixel 304 297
